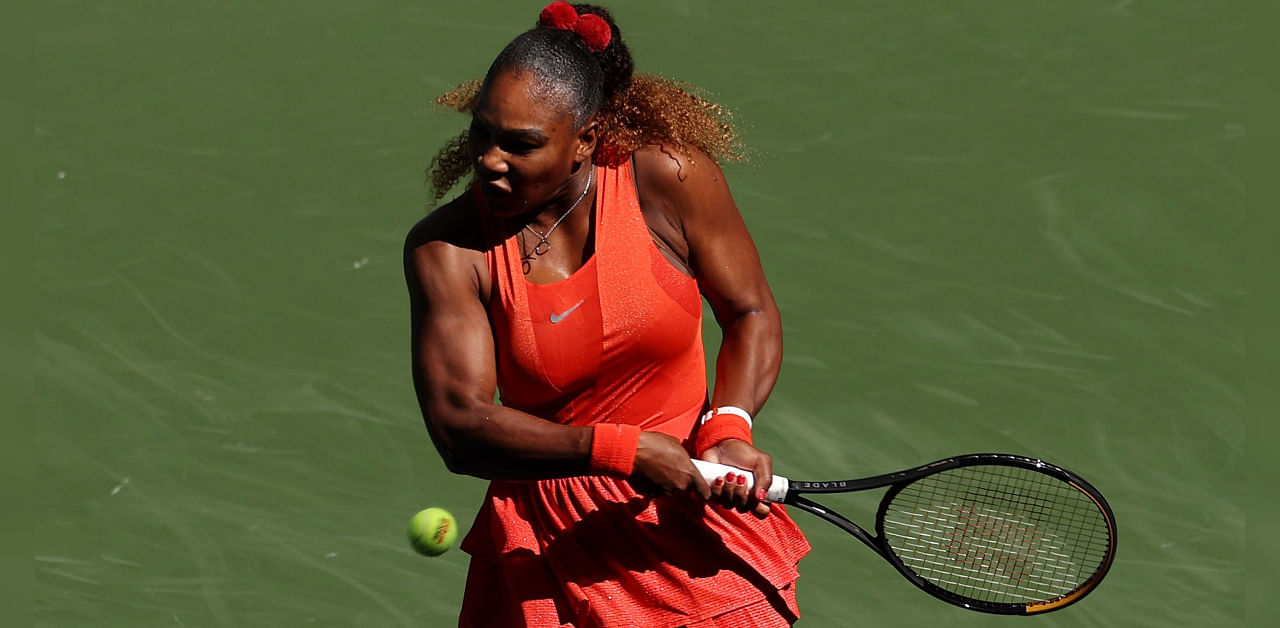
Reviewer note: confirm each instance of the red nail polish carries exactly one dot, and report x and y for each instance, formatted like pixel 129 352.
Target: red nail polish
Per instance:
pixel 719 481
pixel 742 480
pixel 760 495
pixel 728 477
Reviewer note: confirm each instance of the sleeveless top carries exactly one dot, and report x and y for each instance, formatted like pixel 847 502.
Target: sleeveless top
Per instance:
pixel 620 341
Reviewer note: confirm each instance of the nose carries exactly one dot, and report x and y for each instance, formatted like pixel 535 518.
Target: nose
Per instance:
pixel 491 162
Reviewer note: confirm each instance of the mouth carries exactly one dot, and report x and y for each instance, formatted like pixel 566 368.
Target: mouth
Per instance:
pixel 498 195
pixel 495 190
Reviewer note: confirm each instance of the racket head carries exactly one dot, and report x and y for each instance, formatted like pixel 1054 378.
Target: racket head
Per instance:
pixel 998 533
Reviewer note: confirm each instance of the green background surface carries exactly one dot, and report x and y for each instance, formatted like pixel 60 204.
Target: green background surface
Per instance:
pixel 998 225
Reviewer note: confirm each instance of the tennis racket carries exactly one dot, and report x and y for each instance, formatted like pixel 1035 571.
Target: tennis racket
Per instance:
pixel 996 533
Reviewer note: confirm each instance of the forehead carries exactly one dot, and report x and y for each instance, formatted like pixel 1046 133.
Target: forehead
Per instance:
pixel 520 100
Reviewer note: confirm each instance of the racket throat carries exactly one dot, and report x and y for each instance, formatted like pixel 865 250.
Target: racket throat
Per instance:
pixel 840 521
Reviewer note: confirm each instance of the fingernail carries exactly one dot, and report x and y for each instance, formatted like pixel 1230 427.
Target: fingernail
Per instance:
pixel 760 494
pixel 742 480
pixel 719 481
pixel 729 477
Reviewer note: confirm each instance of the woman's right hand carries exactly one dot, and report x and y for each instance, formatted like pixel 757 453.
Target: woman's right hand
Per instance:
pixel 663 467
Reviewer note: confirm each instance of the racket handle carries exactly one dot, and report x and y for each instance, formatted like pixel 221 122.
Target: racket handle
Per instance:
pixel 711 471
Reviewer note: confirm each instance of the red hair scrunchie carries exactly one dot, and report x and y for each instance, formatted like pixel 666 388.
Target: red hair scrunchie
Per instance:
pixel 593 29
pixel 559 15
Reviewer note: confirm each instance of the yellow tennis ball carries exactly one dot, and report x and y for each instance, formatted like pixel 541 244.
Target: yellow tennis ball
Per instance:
pixel 432 531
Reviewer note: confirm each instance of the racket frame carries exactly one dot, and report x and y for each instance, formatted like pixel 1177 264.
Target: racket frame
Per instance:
pixel 792 492
pixel 900 480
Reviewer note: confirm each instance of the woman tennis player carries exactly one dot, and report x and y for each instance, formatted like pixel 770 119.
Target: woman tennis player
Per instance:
pixel 569 278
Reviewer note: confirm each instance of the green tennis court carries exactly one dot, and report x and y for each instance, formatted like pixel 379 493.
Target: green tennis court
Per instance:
pixel 991 226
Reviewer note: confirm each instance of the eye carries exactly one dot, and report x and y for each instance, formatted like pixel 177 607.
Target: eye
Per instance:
pixel 519 147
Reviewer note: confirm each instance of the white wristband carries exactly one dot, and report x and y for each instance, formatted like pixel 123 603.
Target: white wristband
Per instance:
pixel 734 410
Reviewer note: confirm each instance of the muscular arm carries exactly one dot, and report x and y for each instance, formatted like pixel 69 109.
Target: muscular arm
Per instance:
pixel 723 258
pixel 455 377
pixel 691 194
pixel 456 380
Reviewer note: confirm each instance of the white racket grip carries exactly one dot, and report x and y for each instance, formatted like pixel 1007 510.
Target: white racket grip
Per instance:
pixel 711 471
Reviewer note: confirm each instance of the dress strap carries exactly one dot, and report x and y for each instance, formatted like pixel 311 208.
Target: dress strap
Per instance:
pixel 507 275
pixel 623 241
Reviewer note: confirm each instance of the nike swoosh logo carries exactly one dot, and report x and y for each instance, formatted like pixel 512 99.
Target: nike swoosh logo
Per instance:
pixel 556 318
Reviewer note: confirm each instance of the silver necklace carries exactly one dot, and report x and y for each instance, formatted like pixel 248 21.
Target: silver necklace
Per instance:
pixel 543 246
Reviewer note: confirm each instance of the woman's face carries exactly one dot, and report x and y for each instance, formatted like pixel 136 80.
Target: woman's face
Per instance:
pixel 523 144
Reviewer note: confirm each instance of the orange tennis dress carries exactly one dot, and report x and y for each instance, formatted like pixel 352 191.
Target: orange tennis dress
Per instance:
pixel 618 341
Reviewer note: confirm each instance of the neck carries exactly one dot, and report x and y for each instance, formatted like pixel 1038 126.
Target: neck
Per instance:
pixel 570 201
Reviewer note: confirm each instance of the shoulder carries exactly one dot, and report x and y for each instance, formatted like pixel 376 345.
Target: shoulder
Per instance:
pixel 681 184
pixel 674 171
pixel 679 187
pixel 453 227
pixel 446 246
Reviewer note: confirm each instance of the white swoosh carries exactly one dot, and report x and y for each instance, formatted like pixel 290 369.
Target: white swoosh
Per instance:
pixel 556 318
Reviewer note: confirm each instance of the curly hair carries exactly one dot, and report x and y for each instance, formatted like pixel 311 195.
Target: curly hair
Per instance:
pixel 632 110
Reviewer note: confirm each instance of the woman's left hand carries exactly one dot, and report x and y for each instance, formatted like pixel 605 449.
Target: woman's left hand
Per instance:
pixel 731 491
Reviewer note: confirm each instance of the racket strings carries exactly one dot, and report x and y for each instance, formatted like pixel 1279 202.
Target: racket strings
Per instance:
pixel 998 534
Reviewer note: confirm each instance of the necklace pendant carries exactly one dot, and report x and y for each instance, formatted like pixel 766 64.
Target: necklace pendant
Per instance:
pixel 543 246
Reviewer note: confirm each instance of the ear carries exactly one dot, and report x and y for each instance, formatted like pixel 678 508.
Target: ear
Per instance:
pixel 588 136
